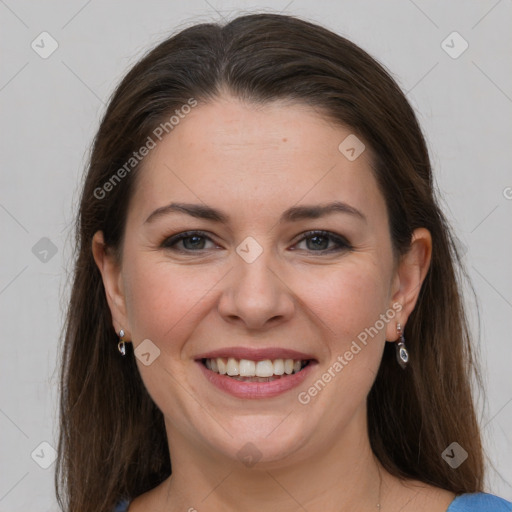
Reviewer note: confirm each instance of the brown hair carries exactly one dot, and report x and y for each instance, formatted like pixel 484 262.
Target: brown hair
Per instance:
pixel 112 439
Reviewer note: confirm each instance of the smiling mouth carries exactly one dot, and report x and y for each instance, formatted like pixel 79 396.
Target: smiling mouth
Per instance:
pixel 246 370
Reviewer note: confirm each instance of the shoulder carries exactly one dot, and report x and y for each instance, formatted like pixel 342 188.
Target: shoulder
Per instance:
pixel 479 502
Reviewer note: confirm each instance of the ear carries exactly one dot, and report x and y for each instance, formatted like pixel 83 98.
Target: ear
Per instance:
pixel 408 279
pixel 110 270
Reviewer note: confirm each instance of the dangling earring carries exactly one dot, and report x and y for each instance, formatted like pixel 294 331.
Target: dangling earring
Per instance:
pixel 402 356
pixel 121 345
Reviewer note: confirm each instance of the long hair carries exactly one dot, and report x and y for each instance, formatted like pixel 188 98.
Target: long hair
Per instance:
pixel 112 440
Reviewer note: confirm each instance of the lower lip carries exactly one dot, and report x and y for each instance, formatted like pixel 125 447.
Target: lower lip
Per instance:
pixel 242 389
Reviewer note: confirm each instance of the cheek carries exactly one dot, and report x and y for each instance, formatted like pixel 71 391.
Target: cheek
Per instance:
pixel 164 300
pixel 348 298
pixel 350 304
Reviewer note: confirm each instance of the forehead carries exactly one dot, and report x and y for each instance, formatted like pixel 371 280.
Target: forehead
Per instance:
pixel 257 157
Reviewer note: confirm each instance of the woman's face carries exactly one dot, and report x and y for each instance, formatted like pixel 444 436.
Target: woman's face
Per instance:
pixel 250 283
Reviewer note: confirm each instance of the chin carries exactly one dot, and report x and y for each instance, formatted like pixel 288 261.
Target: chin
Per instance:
pixel 262 440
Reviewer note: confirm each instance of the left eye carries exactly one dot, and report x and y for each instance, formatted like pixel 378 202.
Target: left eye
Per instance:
pixel 320 242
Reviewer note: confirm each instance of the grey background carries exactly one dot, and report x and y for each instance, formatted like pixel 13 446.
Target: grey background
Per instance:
pixel 50 110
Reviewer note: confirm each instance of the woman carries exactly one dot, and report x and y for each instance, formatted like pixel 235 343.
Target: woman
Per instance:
pixel 265 296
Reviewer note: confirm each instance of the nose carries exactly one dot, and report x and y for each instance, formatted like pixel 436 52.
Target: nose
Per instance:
pixel 255 295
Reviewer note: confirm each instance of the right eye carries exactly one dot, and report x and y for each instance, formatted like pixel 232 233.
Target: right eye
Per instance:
pixel 192 241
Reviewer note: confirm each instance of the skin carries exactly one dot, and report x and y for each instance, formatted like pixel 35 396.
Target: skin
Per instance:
pixel 253 162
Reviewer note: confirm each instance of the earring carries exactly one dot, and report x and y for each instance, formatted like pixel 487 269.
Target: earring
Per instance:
pixel 121 345
pixel 402 356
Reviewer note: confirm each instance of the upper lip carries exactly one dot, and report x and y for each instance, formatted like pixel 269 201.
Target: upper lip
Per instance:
pixel 255 354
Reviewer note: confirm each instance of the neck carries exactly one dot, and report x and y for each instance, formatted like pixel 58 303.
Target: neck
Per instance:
pixel 346 476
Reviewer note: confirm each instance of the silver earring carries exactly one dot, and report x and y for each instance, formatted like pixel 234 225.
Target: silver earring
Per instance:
pixel 402 356
pixel 121 345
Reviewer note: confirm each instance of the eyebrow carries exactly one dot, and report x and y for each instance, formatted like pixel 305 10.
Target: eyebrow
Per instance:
pixel 293 214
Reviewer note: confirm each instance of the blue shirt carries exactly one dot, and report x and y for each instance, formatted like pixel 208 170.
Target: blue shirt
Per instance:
pixel 468 502
pixel 479 502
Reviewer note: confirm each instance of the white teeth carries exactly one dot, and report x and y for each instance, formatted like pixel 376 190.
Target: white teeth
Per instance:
pixel 221 366
pixel 278 367
pixel 247 368
pixel 264 368
pixel 232 367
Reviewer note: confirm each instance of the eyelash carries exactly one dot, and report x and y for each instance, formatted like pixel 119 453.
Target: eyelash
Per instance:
pixel 342 243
